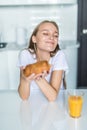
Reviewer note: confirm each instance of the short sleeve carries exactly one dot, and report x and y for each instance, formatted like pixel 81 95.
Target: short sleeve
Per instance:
pixel 24 58
pixel 60 62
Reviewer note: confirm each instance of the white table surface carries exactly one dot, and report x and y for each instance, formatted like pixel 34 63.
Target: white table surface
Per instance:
pixel 37 113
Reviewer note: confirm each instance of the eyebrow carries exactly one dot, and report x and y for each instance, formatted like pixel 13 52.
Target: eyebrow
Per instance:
pixel 48 30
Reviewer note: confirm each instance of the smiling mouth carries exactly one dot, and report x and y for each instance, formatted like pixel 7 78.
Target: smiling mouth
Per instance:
pixel 50 43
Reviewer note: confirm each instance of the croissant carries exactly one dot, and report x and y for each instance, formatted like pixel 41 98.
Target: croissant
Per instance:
pixel 36 68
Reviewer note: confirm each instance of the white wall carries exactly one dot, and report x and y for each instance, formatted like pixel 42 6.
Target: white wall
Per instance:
pixel 4 78
pixel 28 16
pixel 12 17
pixel 71 77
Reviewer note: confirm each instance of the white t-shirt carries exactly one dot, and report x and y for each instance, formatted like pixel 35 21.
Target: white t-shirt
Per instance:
pixel 58 62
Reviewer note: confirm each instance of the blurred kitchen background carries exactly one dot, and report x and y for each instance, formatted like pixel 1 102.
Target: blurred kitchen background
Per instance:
pixel 18 19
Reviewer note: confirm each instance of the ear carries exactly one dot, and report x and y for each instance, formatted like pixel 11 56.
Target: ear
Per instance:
pixel 34 39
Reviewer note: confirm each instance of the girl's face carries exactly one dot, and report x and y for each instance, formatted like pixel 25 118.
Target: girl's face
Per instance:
pixel 46 38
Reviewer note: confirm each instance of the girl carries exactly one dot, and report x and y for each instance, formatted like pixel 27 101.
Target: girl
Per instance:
pixel 43 45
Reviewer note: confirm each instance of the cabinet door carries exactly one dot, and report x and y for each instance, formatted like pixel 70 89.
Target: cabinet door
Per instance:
pixel 13 69
pixel 71 77
pixel 4 75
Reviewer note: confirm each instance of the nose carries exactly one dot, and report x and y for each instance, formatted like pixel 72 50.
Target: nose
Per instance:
pixel 51 37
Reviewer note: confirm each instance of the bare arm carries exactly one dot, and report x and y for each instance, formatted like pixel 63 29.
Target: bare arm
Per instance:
pixel 51 89
pixel 23 89
pixel 24 85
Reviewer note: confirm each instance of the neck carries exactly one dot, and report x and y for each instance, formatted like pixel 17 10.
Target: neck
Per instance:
pixel 43 56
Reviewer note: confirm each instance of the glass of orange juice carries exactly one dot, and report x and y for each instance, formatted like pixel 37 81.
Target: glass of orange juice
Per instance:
pixel 75 103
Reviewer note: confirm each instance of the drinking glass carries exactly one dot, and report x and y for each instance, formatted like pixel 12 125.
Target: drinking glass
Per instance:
pixel 75 103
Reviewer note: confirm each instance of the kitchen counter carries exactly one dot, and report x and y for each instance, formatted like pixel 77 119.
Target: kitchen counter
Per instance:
pixel 63 45
pixel 67 44
pixel 13 47
pixel 37 113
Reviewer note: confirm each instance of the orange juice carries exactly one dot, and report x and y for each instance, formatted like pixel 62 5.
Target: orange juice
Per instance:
pixel 75 105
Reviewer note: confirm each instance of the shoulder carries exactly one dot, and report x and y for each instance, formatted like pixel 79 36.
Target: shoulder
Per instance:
pixel 60 52
pixel 59 55
pixel 59 61
pixel 24 52
pixel 25 57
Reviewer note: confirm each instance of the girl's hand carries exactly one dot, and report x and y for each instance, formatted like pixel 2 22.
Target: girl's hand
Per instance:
pixel 29 78
pixel 34 76
pixel 41 75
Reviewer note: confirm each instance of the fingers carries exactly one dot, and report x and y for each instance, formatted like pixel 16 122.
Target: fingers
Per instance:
pixel 22 67
pixel 45 73
pixel 35 76
pixel 41 75
pixel 31 77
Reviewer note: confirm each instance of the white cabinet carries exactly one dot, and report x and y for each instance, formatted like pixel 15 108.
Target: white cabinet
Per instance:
pixel 4 72
pixel 71 77
pixel 9 72
pixel 13 69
